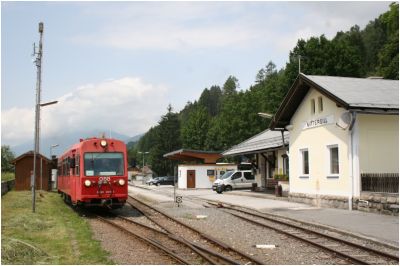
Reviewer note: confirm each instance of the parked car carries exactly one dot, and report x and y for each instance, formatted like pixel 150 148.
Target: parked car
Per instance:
pixel 234 180
pixel 163 180
pixel 152 181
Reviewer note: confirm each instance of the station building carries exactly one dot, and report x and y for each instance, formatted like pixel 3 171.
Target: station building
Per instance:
pixel 272 162
pixel 198 169
pixel 344 141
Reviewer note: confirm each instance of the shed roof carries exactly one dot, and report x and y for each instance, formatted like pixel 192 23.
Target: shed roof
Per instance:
pixel 190 155
pixel 378 95
pixel 266 140
pixel 30 154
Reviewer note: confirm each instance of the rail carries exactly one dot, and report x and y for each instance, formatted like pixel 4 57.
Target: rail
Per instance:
pixel 351 251
pixel 380 182
pixel 213 244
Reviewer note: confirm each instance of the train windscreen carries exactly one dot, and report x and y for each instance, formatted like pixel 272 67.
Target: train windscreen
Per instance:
pixel 108 164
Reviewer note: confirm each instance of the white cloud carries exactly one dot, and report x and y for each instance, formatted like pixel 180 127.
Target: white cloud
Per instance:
pixel 127 105
pixel 191 25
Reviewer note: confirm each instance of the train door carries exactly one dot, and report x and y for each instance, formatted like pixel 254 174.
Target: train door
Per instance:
pixel 73 179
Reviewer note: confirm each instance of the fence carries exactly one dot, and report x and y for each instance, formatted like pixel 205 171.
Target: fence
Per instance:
pixel 7 186
pixel 380 182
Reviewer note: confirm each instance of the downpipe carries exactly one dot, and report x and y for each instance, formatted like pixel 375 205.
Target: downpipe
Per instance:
pixel 351 192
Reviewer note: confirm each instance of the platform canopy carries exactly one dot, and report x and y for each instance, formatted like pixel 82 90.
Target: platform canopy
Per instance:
pixel 191 155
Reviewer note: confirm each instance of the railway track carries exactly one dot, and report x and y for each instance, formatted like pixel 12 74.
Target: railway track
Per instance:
pixel 174 246
pixel 350 251
pixel 216 252
pixel 145 237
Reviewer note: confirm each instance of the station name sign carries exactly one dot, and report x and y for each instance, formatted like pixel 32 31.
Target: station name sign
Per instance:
pixel 318 122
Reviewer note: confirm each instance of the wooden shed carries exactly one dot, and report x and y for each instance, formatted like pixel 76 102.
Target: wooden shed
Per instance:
pixel 24 169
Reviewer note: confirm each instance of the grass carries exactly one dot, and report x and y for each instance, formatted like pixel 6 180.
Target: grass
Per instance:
pixel 54 234
pixel 6 176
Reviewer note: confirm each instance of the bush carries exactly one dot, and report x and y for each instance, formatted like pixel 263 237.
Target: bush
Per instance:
pixel 281 177
pixel 7 176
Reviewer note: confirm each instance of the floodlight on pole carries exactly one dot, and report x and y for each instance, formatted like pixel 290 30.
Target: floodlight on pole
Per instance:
pixel 38 105
pixel 48 103
pixel 38 62
pixel 145 152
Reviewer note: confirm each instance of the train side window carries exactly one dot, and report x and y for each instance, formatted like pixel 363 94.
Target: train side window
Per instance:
pixel 77 165
pixel 72 165
pixel 63 167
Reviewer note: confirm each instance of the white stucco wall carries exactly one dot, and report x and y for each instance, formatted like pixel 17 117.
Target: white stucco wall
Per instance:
pixel 317 140
pixel 379 143
pixel 202 180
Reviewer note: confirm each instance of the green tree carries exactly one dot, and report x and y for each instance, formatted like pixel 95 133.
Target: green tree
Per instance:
pixel 7 156
pixel 167 139
pixel 388 57
pixel 194 130
pixel 211 100
pixel 230 86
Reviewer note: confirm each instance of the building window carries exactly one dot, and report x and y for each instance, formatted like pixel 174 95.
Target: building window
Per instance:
pixel 333 159
pixel 285 164
pixel 312 106
pixel 210 172
pixel 305 167
pixel 320 105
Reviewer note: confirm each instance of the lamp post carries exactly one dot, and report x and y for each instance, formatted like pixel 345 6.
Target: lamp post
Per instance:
pixel 38 105
pixel 145 152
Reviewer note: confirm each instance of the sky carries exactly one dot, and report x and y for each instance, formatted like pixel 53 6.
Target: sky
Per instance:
pixel 117 65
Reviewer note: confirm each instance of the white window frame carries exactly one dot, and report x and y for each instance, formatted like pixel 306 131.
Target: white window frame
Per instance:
pixel 301 160
pixel 328 165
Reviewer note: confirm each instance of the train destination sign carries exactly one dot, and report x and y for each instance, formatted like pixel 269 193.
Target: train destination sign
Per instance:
pixel 318 122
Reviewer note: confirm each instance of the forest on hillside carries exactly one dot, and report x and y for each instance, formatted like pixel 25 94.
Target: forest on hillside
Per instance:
pixel 224 116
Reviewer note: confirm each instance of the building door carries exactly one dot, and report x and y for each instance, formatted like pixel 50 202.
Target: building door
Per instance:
pixel 191 179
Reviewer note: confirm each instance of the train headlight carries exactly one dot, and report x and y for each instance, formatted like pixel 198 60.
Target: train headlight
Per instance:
pixel 87 183
pixel 121 182
pixel 103 143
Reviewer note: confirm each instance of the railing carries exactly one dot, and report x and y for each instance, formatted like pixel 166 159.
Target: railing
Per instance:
pixel 7 186
pixel 380 182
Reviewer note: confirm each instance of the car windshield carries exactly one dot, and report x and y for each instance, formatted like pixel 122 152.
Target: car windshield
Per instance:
pixel 109 163
pixel 226 175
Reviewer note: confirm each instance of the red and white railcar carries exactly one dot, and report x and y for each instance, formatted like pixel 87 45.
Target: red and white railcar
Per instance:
pixel 94 172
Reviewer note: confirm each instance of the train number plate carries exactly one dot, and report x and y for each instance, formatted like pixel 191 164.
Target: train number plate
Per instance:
pixel 103 179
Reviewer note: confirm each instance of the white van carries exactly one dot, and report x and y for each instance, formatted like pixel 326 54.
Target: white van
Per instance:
pixel 234 180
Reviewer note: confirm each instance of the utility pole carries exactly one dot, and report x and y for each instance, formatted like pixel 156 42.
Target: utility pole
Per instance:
pixel 38 62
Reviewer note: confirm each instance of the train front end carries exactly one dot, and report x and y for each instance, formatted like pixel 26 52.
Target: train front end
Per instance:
pixel 103 178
